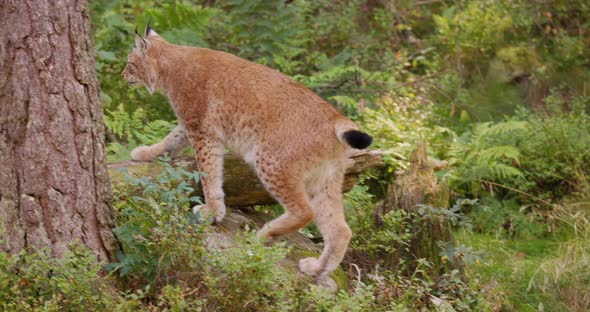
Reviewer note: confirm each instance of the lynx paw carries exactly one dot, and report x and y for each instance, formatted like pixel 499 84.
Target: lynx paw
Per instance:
pixel 143 153
pixel 328 283
pixel 205 213
pixel 309 266
pixel 263 235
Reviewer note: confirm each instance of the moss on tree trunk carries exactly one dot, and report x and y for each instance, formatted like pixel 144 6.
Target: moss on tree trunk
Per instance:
pixel 418 186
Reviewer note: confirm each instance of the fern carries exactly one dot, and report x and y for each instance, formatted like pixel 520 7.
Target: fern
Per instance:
pixel 323 78
pixel 502 128
pixel 345 103
pixel 493 170
pixel 400 120
pixel 182 22
pixel 485 154
pixel 493 154
pixel 274 36
pixel 154 131
pixel 131 130
pixel 120 123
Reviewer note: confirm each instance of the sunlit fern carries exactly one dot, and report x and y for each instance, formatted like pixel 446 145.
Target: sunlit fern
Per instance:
pixel 485 154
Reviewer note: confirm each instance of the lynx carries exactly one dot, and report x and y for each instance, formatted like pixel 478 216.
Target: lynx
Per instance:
pixel 295 142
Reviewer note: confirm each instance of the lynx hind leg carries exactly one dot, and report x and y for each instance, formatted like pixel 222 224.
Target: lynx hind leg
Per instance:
pixel 326 198
pixel 289 191
pixel 172 144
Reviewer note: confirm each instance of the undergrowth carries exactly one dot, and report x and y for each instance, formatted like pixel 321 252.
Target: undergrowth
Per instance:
pixel 170 261
pixel 497 90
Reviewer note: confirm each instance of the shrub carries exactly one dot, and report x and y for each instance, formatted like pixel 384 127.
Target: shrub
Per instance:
pixel 555 154
pixel 250 276
pixel 37 281
pixel 161 240
pixel 372 244
pixel 533 157
pixel 472 31
pixel 380 259
pixel 179 262
pixel 400 120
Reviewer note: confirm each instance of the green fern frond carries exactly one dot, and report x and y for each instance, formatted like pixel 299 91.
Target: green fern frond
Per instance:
pixel 154 131
pixel 485 154
pixel 492 172
pixel 118 121
pixel 494 153
pixel 329 75
pixel 502 128
pixel 131 128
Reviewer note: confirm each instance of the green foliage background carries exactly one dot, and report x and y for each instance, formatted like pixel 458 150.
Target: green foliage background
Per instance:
pixel 499 89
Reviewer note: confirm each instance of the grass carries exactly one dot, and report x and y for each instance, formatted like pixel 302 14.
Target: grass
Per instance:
pixel 510 264
pixel 542 272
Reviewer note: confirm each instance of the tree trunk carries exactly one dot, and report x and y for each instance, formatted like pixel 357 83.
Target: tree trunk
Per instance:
pixel 54 186
pixel 418 185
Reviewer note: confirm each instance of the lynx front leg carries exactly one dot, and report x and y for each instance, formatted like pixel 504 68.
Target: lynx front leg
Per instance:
pixel 209 155
pixel 172 144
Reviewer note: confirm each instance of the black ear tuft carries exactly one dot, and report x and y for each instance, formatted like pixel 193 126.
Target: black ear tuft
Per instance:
pixel 139 44
pixel 148 29
pixel 357 139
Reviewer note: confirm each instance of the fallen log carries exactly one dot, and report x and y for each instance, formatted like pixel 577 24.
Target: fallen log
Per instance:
pixel 241 185
pixel 242 188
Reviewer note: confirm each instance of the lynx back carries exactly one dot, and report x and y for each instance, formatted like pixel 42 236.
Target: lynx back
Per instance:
pixel 295 142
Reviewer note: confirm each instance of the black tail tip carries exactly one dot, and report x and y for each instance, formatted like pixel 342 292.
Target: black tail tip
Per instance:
pixel 357 139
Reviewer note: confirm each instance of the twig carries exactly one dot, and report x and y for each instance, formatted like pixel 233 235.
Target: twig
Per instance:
pixel 393 86
pixel 367 91
pixel 518 191
pixel 358 275
pixel 426 2
pixel 418 80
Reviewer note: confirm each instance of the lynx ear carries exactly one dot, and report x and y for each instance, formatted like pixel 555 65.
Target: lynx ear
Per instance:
pixel 149 32
pixel 140 43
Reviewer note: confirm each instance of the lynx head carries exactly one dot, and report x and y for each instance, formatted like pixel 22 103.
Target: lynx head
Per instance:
pixel 142 66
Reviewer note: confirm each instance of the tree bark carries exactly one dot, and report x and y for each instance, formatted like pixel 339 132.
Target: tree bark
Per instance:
pixel 241 186
pixel 54 186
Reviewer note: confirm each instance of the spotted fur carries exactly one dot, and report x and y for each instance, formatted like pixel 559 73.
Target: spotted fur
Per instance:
pixel 295 141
